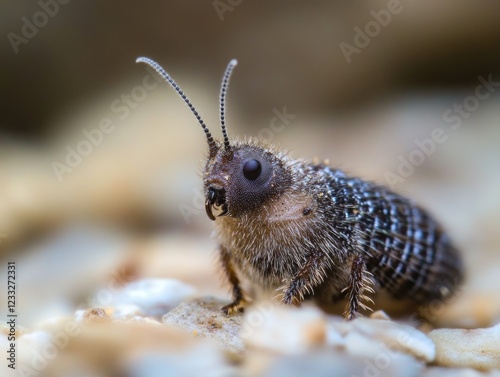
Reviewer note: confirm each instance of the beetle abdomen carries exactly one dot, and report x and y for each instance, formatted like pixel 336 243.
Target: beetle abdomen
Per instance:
pixel 410 255
pixel 404 248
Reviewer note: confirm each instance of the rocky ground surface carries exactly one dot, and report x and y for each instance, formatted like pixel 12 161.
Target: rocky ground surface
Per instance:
pixel 156 327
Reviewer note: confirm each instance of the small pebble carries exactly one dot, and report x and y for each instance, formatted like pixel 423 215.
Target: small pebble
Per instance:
pixel 96 315
pixel 201 360
pixel 394 336
pixel 380 314
pixel 479 348
pixel 154 297
pixel 324 363
pixel 126 311
pixel 204 318
pixel 333 337
pixel 285 330
pixel 145 320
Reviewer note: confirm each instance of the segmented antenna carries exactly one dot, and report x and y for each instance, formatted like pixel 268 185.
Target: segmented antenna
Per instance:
pixel 223 89
pixel 211 143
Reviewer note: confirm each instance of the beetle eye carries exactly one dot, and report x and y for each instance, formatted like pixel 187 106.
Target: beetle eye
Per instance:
pixel 252 169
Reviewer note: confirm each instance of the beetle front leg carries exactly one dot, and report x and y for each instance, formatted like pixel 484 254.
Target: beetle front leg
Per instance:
pixel 238 297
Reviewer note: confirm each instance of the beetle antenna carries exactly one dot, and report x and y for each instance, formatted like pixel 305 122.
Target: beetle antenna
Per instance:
pixel 211 143
pixel 223 90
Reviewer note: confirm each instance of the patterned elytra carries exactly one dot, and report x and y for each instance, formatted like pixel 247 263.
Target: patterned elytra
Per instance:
pixel 404 248
pixel 310 232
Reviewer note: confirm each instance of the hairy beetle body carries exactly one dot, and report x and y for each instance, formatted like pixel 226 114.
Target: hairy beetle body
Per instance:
pixel 312 232
pixel 312 239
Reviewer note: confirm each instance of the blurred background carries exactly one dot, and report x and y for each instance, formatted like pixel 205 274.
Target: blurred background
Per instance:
pixel 99 164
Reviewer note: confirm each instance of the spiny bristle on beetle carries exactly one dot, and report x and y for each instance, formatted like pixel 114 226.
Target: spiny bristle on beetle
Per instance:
pixel 311 231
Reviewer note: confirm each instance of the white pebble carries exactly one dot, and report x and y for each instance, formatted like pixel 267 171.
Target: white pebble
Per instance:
pixel 126 311
pixel 479 348
pixel 333 337
pixel 380 314
pixel 154 297
pixel 283 329
pixel 395 337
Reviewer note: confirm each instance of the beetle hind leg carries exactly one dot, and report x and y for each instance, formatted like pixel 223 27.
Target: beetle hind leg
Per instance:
pixel 360 284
